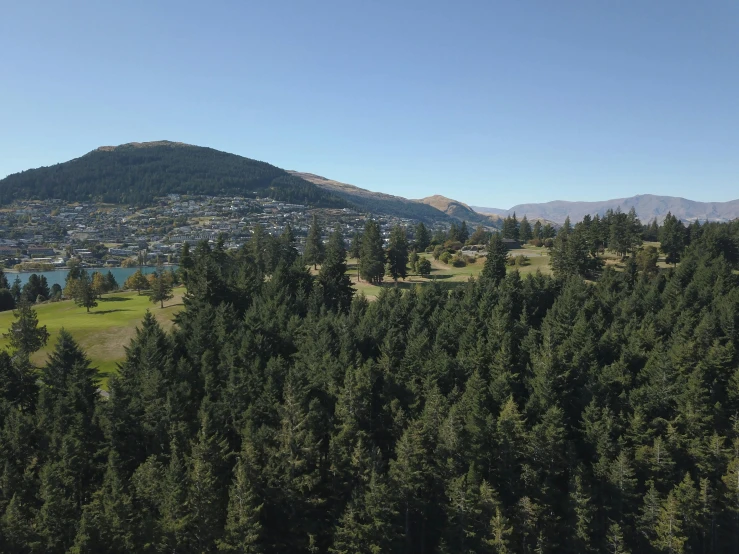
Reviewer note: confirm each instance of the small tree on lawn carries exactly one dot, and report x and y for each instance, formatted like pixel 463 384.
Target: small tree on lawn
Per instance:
pixel 25 336
pixel 161 287
pixel 110 283
pixel 99 286
pixel 137 281
pixel 424 267
pixel 83 291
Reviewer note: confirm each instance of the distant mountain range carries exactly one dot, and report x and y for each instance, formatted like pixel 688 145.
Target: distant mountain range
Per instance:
pixel 137 172
pixel 647 206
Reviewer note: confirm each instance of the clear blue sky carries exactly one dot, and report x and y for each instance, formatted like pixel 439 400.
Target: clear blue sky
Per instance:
pixel 492 102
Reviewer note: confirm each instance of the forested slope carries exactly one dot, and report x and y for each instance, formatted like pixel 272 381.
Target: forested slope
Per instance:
pixel 511 415
pixel 135 173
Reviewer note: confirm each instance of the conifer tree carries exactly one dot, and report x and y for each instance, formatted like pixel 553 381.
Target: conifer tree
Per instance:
pixel 464 232
pixel 108 522
pixel 59 511
pixel 314 250
pixel 110 282
pixel 25 336
pixel 18 530
pixel 16 290
pixel 421 237
pixel 669 527
pixel 175 514
pixel 242 532
pixel 206 478
pixel 584 514
pixel 397 253
pixel 355 248
pixel 333 279
pixel 407 475
pixel 161 287
pixel 615 540
pixel 672 238
pixel 536 231
pixel 288 253
pixel 525 233
pixel 496 262
pixel 372 257
pixel 500 533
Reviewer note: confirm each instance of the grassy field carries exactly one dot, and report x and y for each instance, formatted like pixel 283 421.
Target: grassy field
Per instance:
pixel 105 331
pixel 450 275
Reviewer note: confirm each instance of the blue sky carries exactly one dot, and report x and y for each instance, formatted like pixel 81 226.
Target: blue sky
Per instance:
pixel 492 103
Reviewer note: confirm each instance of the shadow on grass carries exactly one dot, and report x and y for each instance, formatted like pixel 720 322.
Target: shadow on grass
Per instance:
pixel 446 276
pixel 403 285
pixel 102 312
pixel 114 299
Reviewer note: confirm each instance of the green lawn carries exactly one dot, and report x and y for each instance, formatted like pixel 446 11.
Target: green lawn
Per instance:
pixel 450 275
pixel 105 331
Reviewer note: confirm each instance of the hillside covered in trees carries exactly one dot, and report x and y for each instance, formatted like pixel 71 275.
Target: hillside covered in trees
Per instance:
pixel 136 173
pixel 285 414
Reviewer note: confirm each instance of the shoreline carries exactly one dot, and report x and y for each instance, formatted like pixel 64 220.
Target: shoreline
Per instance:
pixel 17 271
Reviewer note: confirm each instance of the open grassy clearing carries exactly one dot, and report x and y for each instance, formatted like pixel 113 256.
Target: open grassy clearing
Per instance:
pixel 449 275
pixel 105 331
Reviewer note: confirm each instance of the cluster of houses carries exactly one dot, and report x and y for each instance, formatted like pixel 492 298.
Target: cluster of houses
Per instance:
pixel 51 232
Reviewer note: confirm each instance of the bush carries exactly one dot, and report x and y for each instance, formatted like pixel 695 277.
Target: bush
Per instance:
pixel 536 242
pixel 459 260
pixel 453 245
pixel 424 267
pixel 522 261
pixel 445 257
pixel 549 242
pixel 438 250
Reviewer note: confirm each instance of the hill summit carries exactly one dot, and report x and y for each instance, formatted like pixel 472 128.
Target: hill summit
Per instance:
pixel 458 210
pixel 151 144
pixel 137 172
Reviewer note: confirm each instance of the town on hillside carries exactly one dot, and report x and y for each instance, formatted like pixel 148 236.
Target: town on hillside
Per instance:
pixel 45 234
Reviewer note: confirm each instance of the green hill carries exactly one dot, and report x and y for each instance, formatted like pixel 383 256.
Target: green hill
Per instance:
pixel 135 173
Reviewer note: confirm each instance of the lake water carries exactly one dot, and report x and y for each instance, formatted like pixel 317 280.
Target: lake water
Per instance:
pixel 58 276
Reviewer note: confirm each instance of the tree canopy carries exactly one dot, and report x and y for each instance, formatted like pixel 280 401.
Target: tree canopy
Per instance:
pixel 282 414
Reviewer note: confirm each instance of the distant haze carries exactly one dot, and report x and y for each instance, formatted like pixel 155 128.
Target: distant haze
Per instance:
pixel 647 206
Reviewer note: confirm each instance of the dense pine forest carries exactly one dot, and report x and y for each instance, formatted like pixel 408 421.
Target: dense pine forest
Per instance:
pixel 283 413
pixel 137 173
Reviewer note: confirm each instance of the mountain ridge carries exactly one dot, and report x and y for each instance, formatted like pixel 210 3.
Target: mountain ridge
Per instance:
pixel 647 206
pixel 378 202
pixel 459 210
pixel 137 172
